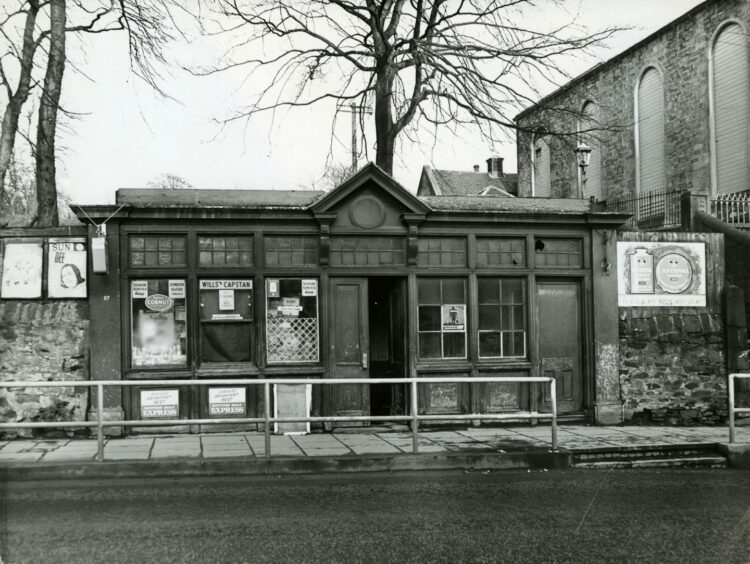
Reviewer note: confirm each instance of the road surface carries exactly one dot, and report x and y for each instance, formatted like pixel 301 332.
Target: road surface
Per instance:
pixel 501 516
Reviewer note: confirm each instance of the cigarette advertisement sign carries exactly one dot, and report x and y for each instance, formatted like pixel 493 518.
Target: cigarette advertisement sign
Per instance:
pixel 226 401
pixel 661 274
pixel 22 271
pixel 160 404
pixel 66 268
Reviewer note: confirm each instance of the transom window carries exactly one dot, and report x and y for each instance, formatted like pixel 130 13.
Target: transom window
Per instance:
pixel 157 251
pixel 225 250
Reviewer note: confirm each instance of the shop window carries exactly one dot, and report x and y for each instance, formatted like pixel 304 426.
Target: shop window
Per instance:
pixel 291 320
pixel 225 251
pixel 157 251
pixel 502 317
pixel 564 253
pixel 226 316
pixel 441 251
pixel 367 251
pixel 158 323
pixel 501 251
pixel 291 250
pixel 442 318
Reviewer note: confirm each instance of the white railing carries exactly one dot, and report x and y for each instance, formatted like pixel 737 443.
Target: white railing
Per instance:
pixel 733 409
pixel 414 417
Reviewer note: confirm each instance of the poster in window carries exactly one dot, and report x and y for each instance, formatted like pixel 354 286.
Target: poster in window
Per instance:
pixel 454 317
pixel 160 404
pixel 665 274
pixel 226 401
pixel 22 271
pixel 159 331
pixel 66 268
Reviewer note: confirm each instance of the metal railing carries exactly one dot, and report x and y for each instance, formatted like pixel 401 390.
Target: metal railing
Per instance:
pixel 733 209
pixel 414 417
pixel 650 210
pixel 733 409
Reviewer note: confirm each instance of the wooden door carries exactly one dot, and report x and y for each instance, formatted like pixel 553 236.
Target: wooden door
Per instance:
pixel 349 345
pixel 559 322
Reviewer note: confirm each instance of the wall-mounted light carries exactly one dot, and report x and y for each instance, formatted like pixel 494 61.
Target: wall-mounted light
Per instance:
pixel 583 158
pixel 99 250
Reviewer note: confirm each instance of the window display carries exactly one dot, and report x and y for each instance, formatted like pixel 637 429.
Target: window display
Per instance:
pixel 159 323
pixel 226 314
pixel 442 318
pixel 292 320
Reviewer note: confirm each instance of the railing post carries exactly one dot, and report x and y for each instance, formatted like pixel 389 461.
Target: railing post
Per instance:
pixel 99 422
pixel 414 417
pixel 267 416
pixel 553 396
pixel 731 408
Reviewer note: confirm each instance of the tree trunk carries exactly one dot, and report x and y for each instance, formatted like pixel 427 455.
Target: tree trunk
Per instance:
pixel 17 100
pixel 384 139
pixel 46 187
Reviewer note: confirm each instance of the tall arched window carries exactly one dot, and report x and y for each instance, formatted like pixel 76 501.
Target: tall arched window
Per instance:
pixel 589 127
pixel 649 132
pixel 542 187
pixel 729 81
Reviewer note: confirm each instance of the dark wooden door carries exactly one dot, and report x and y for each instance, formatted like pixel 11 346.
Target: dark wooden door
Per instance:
pixel 559 321
pixel 349 345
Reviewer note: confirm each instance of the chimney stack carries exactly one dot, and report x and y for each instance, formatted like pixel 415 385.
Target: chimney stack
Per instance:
pixel 476 168
pixel 495 167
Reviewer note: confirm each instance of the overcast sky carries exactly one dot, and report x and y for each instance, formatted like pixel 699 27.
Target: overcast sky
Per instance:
pixel 127 135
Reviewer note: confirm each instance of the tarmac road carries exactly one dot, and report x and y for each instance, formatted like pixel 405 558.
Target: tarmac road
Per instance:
pixel 502 516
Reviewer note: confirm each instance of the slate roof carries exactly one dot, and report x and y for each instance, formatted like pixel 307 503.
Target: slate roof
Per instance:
pixel 517 205
pixel 191 197
pixel 463 183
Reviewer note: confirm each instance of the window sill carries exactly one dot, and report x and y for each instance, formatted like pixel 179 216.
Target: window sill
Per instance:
pixel 224 369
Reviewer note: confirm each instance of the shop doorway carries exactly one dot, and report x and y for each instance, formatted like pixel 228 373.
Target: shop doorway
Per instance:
pixel 367 339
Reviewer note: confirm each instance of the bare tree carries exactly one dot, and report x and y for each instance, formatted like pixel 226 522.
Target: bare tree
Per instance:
pixel 336 174
pixel 168 181
pixel 422 62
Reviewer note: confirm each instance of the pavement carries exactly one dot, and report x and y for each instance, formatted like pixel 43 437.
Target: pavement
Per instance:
pixel 353 443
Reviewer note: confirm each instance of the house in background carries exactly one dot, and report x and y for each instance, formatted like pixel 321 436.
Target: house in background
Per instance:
pixel 493 182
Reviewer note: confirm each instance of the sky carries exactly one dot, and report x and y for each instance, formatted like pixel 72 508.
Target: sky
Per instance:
pixel 124 134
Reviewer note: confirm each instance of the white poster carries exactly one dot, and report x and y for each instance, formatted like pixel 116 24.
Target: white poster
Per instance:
pixel 22 270
pixel 226 300
pixel 139 289
pixel 160 404
pixel 226 401
pixel 66 268
pixel 309 287
pixel 454 317
pixel 177 289
pixel 661 274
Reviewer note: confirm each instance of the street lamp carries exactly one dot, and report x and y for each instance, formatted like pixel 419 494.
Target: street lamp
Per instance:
pixel 583 157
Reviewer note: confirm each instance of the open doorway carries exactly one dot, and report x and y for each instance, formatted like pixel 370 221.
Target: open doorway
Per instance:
pixel 387 331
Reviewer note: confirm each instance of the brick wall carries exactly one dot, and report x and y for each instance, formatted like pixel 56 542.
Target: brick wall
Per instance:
pixel 680 51
pixel 43 340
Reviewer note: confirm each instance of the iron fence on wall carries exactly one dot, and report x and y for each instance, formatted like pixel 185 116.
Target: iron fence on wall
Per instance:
pixel 650 210
pixel 733 209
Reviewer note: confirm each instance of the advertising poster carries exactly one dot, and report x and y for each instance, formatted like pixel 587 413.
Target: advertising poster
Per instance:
pixel 22 271
pixel 160 404
pixel 454 317
pixel 661 274
pixel 226 401
pixel 66 268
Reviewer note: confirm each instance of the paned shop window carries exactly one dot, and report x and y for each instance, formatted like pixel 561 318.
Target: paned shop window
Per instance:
pixel 225 250
pixel 502 317
pixel 442 318
pixel 227 332
pixel 291 320
pixel 157 251
pixel 158 323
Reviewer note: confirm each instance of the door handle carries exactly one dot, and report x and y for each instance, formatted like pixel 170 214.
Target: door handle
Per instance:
pixel 364 361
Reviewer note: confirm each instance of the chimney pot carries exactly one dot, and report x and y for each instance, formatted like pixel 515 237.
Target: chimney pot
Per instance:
pixel 476 168
pixel 495 167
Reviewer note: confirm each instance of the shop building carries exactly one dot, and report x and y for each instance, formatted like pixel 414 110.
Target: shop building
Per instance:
pixel 367 280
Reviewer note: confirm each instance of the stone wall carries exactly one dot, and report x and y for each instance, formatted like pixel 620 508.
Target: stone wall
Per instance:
pixel 680 52
pixel 672 359
pixel 43 340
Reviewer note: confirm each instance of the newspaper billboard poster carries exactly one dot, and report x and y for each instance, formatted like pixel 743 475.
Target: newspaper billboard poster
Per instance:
pixel 66 268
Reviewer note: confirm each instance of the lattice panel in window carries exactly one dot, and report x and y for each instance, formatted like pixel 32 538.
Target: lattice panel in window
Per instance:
pixel 292 340
pixel 563 253
pixel 367 251
pixel 225 250
pixel 291 250
pixel 501 251
pixel 155 251
pixel 441 251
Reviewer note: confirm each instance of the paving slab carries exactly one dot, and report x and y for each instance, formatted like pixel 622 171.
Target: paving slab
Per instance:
pixel 20 456
pixel 73 455
pixel 281 445
pixel 367 444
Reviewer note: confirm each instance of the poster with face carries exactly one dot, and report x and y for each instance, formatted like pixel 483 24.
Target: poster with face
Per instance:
pixel 22 271
pixel 66 268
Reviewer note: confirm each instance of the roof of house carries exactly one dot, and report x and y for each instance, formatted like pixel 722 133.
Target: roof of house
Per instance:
pixel 517 205
pixel 462 183
pixel 191 197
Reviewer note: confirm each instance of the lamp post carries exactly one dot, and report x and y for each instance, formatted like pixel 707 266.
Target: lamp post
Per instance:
pixel 583 157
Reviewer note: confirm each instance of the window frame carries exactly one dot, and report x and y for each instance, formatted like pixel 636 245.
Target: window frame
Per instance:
pixel 466 308
pixel 524 281
pixel 266 340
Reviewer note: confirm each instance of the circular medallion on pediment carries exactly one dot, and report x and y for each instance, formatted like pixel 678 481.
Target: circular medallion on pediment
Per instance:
pixel 367 213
